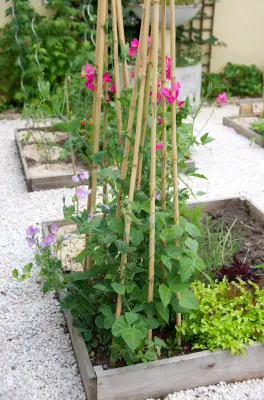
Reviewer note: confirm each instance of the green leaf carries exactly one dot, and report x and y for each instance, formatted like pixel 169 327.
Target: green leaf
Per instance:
pixel 136 236
pixel 175 231
pixel 123 247
pixel 163 312
pixel 165 295
pixel 119 288
pixel 139 307
pixel 15 273
pixel 205 139
pixel 140 196
pixel 116 225
pixel 172 251
pixel 175 282
pixel 119 326
pixel 192 230
pixel 159 342
pixel 153 323
pixel 27 268
pixel 192 244
pixel 102 287
pixel 131 317
pixel 167 262
pixel 188 300
pixel 133 337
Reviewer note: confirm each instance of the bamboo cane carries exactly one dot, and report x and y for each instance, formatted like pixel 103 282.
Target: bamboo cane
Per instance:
pixel 174 137
pixel 122 40
pixel 130 118
pixel 145 118
pixel 144 45
pixel 116 69
pixel 68 112
pixel 99 62
pixel 105 108
pixel 163 83
pixel 155 43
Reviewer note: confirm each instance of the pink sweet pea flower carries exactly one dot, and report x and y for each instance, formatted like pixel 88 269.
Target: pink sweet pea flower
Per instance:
pixel 134 43
pixel 168 68
pixel 221 98
pixel 84 175
pixel 180 104
pixel 112 89
pixel 53 228
pixel 30 241
pixel 159 146
pixel 31 230
pixel 159 120
pixel 149 41
pixel 81 193
pixel 132 52
pixel 107 77
pixel 175 87
pixel 75 179
pixel 47 241
pixel 132 72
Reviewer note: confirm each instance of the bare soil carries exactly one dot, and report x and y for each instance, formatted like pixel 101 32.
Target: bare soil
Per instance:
pixel 252 232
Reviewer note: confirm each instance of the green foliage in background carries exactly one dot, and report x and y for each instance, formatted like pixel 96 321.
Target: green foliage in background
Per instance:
pixel 236 80
pixel 60 48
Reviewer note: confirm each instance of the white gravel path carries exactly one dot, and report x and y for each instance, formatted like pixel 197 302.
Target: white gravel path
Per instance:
pixel 36 359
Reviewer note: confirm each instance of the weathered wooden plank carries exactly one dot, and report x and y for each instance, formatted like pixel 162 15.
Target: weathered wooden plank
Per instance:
pixel 24 163
pixel 52 182
pixel 243 131
pixel 250 101
pixel 86 369
pixel 159 378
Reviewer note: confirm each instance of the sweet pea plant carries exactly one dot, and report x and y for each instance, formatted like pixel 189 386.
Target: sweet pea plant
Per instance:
pixel 141 249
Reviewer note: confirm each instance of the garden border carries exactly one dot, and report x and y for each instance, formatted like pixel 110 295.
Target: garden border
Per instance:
pixel 54 182
pixel 243 131
pixel 158 378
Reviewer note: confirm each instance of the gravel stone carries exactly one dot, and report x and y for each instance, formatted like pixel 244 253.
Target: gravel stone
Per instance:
pixel 37 360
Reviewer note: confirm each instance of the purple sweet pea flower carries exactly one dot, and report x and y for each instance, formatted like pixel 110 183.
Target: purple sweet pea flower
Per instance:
pixel 48 240
pixel 53 228
pixel 157 196
pixel 91 216
pixel 75 179
pixel 67 237
pixel 30 241
pixel 81 193
pixel 84 175
pixel 32 230
pixel 107 208
pixel 52 254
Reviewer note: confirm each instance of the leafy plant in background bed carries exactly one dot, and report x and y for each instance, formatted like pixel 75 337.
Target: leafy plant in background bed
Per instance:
pixel 60 47
pixel 236 80
pixel 258 126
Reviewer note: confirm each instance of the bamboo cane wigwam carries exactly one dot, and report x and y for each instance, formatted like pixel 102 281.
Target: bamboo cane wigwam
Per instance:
pixel 145 81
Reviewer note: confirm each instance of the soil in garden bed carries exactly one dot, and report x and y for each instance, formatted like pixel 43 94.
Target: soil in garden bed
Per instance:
pixel 251 232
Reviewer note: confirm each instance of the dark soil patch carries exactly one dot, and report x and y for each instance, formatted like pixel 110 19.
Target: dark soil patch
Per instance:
pixel 252 232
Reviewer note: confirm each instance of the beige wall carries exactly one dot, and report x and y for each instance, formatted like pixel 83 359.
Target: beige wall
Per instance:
pixel 37 4
pixel 240 24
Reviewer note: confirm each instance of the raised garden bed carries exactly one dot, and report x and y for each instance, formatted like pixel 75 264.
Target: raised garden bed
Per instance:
pixel 41 165
pixel 242 125
pixel 157 378
pixel 251 106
